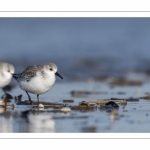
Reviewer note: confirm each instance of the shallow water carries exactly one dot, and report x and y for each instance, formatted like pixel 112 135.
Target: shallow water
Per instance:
pixel 134 117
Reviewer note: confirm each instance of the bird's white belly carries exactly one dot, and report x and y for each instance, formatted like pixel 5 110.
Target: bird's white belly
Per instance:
pixel 4 80
pixel 37 85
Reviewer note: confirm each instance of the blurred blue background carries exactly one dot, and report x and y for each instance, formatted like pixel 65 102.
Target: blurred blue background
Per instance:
pixel 80 47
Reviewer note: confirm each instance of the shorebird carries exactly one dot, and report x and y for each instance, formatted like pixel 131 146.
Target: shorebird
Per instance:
pixel 37 79
pixel 6 72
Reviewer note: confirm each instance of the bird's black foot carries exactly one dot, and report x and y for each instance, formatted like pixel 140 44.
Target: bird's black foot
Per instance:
pixel 30 101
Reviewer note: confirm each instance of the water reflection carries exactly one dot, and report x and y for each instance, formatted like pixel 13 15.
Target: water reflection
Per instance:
pixel 131 117
pixel 5 121
pixel 41 123
pixel 113 116
pixel 2 110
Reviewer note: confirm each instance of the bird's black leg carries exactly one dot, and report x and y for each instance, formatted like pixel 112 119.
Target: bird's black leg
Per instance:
pixel 38 99
pixel 29 97
pixel 4 90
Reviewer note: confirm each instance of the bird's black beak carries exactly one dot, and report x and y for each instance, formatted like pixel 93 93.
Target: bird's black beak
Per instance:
pixel 57 74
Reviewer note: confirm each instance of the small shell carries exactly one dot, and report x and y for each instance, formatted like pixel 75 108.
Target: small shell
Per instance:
pixel 41 106
pixel 3 102
pixel 65 109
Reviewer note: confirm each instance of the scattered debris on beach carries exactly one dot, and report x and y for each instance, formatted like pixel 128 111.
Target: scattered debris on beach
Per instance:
pixel 79 93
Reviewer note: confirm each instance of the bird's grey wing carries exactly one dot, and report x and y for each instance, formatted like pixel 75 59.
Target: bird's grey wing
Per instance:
pixel 29 72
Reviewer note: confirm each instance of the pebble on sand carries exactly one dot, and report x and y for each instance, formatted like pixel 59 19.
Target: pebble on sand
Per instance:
pixel 65 109
pixel 41 106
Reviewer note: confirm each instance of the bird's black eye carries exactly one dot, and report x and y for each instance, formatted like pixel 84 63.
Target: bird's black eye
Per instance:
pixel 51 69
pixel 8 70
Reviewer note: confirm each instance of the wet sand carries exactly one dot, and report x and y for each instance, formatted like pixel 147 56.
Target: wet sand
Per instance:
pixel 85 113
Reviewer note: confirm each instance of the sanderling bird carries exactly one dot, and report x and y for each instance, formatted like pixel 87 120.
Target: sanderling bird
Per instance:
pixel 37 79
pixel 6 72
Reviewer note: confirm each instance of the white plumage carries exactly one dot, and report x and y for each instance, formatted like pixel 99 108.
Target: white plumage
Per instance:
pixel 37 79
pixel 6 72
